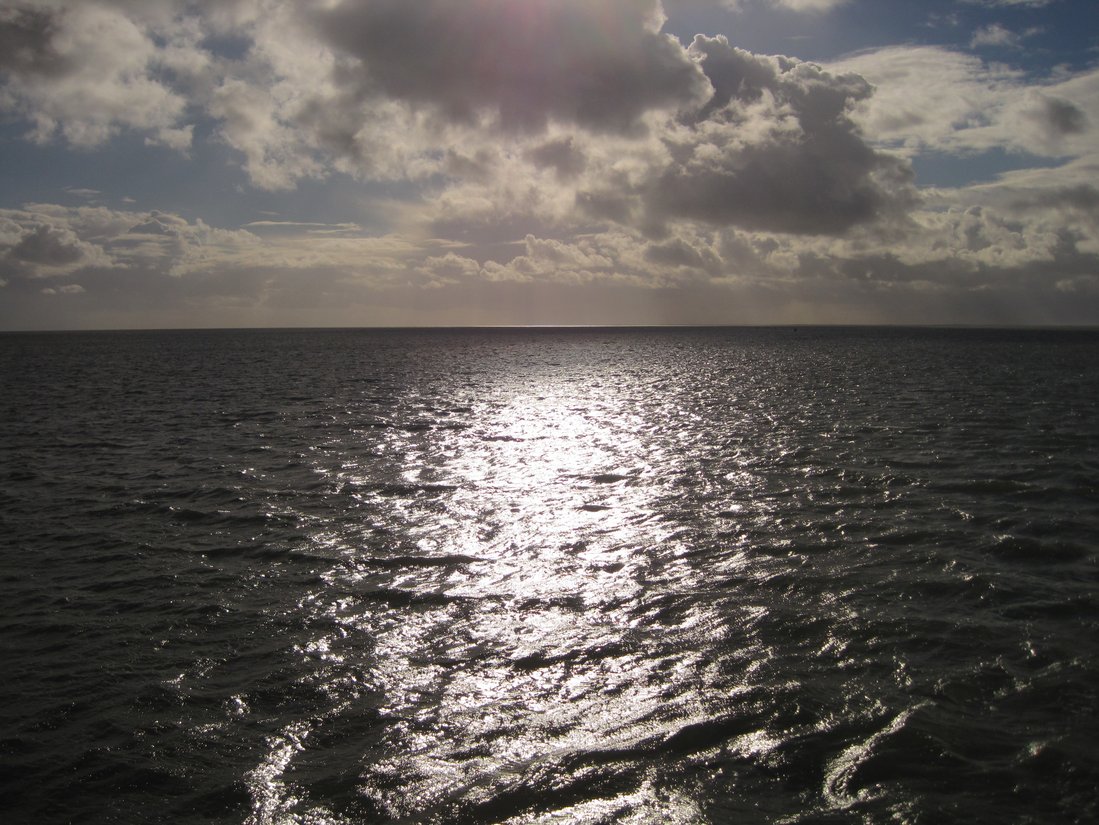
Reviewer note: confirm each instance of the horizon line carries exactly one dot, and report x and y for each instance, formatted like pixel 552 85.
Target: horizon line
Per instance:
pixel 550 327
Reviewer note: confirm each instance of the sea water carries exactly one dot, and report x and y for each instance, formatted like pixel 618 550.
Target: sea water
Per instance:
pixel 542 576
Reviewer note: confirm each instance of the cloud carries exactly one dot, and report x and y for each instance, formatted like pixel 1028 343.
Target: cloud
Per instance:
pixel 26 42
pixel 811 6
pixel 1030 240
pixel 33 245
pixel 1082 197
pixel 1032 4
pixel 48 246
pixel 276 156
pixel 84 71
pixel 772 148
pixel 1056 117
pixel 775 149
pixel 589 100
pixel 994 34
pixel 48 240
pixel 311 227
pixel 989 106
pixel 561 155
pixel 598 65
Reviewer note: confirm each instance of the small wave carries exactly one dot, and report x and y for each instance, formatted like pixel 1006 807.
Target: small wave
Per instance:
pixel 1013 548
pixel 541 659
pixel 396 597
pixel 226 518
pixel 401 490
pixel 699 736
pixel 984 486
pixel 608 478
pixel 449 560
pixel 841 789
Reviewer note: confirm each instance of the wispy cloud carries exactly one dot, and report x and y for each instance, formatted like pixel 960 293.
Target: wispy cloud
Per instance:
pixel 991 106
pixel 996 34
pixel 1034 4
pixel 308 226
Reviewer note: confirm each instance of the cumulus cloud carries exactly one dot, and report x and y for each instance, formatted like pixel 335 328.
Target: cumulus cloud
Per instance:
pixel 33 245
pixel 276 156
pixel 49 246
pixel 772 148
pixel 600 65
pixel 776 150
pixel 84 71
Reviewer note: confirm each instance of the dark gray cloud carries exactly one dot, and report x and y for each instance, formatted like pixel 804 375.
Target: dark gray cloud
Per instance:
pixel 477 166
pixel 561 155
pixel 607 205
pixel 26 42
pixel 1060 117
pixel 34 247
pixel 1083 198
pixel 156 224
pixel 48 245
pixel 600 65
pixel 677 252
pixel 776 150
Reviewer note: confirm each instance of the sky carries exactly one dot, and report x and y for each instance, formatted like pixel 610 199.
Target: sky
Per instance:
pixel 240 163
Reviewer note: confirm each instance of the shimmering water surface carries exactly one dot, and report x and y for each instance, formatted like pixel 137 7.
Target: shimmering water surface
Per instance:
pixel 548 576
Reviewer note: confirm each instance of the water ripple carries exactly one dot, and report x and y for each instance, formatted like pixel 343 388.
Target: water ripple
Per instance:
pixel 551 576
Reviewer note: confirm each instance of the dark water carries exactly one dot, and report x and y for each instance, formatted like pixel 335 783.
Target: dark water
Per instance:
pixel 640 576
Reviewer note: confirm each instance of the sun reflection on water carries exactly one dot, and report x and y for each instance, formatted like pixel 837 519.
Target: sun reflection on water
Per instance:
pixel 505 595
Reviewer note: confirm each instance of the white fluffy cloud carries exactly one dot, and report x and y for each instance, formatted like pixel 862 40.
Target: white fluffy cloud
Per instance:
pixel 85 71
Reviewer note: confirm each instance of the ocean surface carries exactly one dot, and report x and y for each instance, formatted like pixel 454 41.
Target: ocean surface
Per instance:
pixel 550 576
